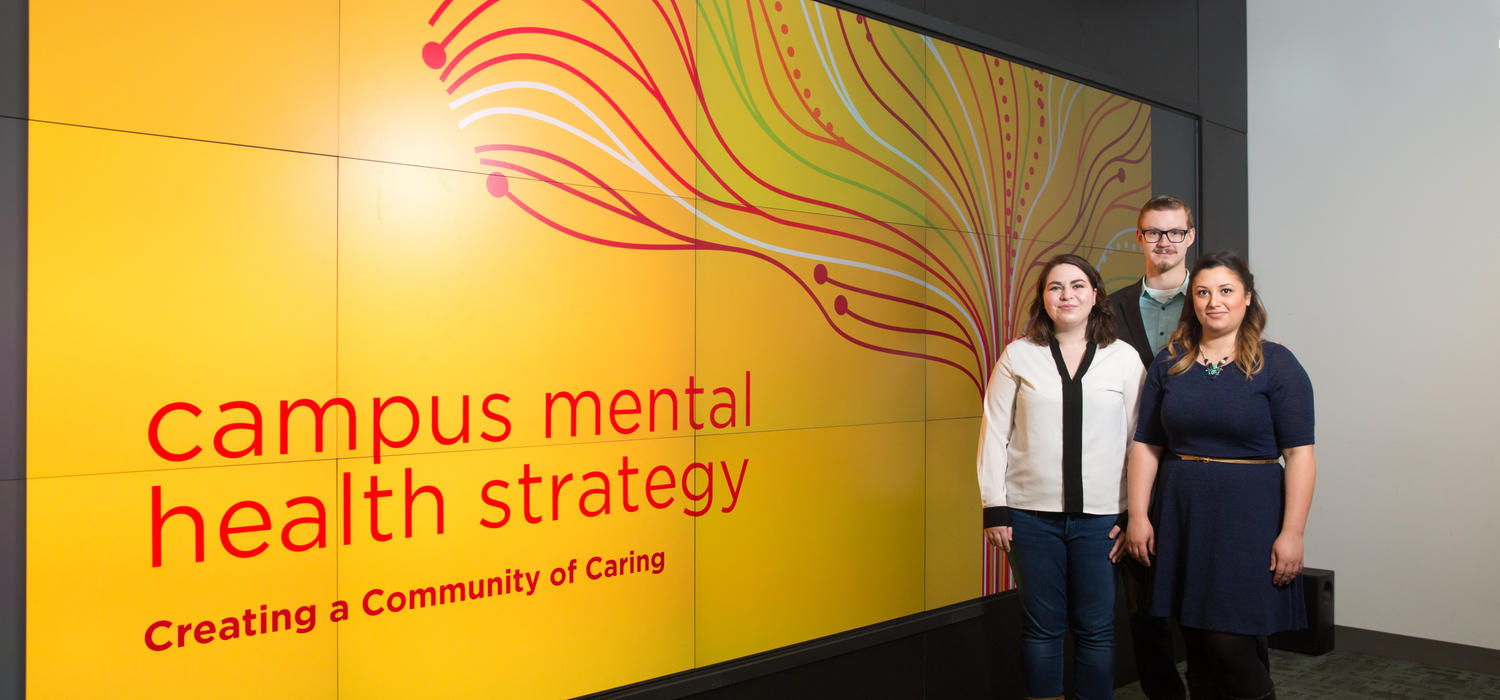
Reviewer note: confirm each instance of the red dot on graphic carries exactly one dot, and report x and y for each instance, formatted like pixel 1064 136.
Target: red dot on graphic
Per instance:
pixel 777 6
pixel 869 37
pixel 1043 120
pixel 1040 104
pixel 1004 99
pixel 841 305
pixel 1008 175
pixel 820 274
pixel 996 62
pixel 797 74
pixel 1036 84
pixel 434 55
pixel 1038 139
pixel 791 51
pixel 1007 136
pixel 497 184
pixel 1007 156
pixel 1030 170
pixel 1120 174
pixel 1026 186
pixel 806 93
pixel 1007 117
pixel 785 29
pixel 1023 201
pixel 859 20
pixel 817 112
pixel 1002 80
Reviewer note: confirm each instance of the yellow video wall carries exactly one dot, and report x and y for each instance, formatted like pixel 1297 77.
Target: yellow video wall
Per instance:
pixel 485 348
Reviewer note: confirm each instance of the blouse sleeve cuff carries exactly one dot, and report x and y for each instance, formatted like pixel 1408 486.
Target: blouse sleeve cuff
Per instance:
pixel 996 516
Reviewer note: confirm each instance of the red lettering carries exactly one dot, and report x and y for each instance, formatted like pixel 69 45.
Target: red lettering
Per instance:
pixel 152 644
pixel 656 394
pixel 225 530
pixel 153 432
pixel 254 426
pixel 707 494
pixel 463 431
pixel 411 496
pixel 713 413
pixel 652 487
pixel 484 494
pixel 380 435
pixel 615 411
pixel 602 490
pixel 502 420
pixel 159 518
pixel 692 394
pixel 365 602
pixel 320 521
pixel 573 402
pixel 318 411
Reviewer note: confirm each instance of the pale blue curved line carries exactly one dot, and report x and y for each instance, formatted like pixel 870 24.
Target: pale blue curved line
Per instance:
pixel 973 137
pixel 1104 252
pixel 830 68
pixel 1054 146
pixel 978 157
pixel 1053 149
pixel 628 159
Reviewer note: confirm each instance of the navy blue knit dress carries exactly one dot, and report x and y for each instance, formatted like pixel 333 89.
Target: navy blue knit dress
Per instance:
pixel 1215 522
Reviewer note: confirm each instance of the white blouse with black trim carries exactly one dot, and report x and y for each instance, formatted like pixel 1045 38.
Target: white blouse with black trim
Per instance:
pixel 1054 443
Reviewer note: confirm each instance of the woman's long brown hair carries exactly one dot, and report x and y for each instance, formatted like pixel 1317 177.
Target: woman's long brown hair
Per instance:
pixel 1101 324
pixel 1184 345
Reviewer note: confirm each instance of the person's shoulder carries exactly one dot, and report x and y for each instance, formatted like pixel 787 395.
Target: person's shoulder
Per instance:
pixel 1274 351
pixel 1021 345
pixel 1119 347
pixel 1126 293
pixel 1279 358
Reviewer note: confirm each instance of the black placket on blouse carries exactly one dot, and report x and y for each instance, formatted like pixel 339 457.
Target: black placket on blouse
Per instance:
pixel 1072 451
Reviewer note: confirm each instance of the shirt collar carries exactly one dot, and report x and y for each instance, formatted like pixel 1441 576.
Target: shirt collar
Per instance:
pixel 1181 289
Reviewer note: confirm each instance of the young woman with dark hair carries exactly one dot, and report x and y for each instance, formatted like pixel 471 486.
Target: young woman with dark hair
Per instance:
pixel 1219 409
pixel 1058 415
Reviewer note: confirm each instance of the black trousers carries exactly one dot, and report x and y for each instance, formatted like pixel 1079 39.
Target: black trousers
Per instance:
pixel 1151 637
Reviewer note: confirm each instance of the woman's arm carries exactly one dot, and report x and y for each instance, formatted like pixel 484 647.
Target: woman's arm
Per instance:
pixel 1286 553
pixel 994 445
pixel 1140 537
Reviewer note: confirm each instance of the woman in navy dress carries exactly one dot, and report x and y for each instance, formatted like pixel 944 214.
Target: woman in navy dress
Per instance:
pixel 1218 408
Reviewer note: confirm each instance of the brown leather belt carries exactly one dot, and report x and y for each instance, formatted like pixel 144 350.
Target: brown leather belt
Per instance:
pixel 1192 458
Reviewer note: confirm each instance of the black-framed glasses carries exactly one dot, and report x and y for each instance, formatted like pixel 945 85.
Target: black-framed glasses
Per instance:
pixel 1175 235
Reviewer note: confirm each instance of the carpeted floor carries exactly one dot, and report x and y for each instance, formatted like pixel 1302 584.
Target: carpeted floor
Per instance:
pixel 1347 675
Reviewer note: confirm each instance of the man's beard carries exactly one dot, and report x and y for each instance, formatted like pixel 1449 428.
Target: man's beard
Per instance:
pixel 1163 266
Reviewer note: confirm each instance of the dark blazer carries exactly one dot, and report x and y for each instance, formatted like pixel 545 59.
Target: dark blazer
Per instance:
pixel 1126 303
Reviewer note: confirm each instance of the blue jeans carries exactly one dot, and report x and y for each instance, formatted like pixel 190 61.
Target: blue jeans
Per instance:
pixel 1067 582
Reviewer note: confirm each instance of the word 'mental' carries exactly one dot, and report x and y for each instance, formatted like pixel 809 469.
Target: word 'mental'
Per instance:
pixel 180 431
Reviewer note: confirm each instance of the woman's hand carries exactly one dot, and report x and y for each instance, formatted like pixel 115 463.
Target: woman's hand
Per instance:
pixel 1117 549
pixel 1140 540
pixel 1286 558
pixel 999 536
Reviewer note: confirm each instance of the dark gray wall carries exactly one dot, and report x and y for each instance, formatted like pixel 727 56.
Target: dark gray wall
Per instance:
pixel 13 99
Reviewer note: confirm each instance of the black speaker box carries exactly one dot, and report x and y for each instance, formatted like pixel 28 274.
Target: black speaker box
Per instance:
pixel 1317 639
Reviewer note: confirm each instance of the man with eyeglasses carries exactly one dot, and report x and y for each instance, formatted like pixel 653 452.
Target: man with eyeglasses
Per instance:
pixel 1146 313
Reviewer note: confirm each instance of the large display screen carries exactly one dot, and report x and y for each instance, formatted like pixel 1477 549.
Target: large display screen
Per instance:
pixel 459 348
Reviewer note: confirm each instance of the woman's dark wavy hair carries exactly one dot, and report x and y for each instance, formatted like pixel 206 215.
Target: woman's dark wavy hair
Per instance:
pixel 1184 344
pixel 1101 327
